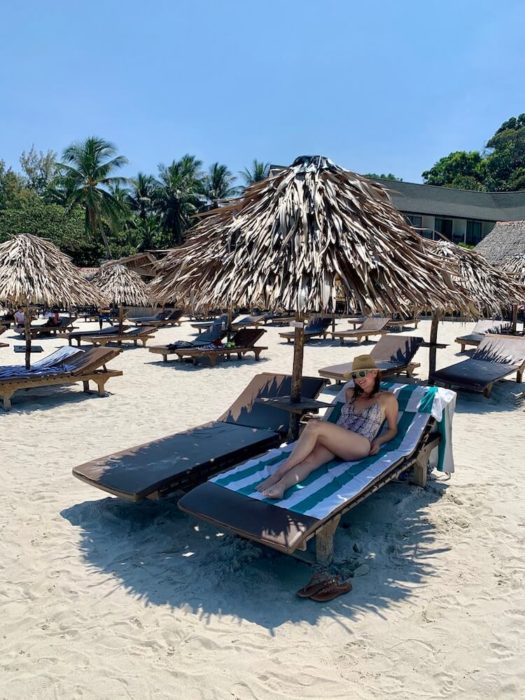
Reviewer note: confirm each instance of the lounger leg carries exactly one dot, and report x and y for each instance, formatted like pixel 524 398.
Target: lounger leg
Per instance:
pixel 164 358
pixel 324 541
pixel 85 384
pixel 257 354
pixel 487 390
pixel 519 376
pixel 101 383
pixel 7 400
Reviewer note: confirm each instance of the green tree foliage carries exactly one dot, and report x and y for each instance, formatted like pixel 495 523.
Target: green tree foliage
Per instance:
pixel 86 175
pixel 39 169
pixel 259 171
pixel 12 187
pixel 462 170
pixel 500 168
pixel 179 196
pixel 389 176
pixel 62 227
pixel 218 184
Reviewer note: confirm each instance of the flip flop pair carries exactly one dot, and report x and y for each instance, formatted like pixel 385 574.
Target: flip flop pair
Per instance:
pixel 323 589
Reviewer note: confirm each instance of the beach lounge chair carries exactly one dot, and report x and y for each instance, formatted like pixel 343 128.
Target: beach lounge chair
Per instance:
pixel 496 357
pixel 65 325
pixel 315 327
pixel 182 460
pixel 133 335
pixel 167 317
pixel 203 326
pixel 57 369
pixel 213 335
pixel 247 321
pixel 82 335
pixel 313 508
pixel 392 354
pixel 399 322
pixel 480 330
pixel 243 342
pixel 373 325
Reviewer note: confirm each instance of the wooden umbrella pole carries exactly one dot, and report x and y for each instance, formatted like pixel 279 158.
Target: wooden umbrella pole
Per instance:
pixel 229 325
pixel 514 318
pixel 27 329
pixel 433 341
pixel 120 318
pixel 297 373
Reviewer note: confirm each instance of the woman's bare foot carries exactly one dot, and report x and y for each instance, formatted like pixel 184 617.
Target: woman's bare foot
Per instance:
pixel 276 491
pixel 270 481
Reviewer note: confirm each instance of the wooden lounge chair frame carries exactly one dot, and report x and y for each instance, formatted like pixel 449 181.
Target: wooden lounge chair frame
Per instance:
pixel 173 318
pixel 179 462
pixel 320 329
pixel 503 354
pixel 146 333
pixel 391 360
pixel 244 339
pixel 287 531
pixel 480 331
pixel 91 368
pixel 370 326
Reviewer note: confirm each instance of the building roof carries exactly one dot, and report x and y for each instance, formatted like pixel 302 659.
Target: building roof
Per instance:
pixel 506 239
pixel 463 204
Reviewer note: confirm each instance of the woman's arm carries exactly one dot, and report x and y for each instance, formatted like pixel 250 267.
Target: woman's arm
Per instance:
pixel 391 410
pixel 349 394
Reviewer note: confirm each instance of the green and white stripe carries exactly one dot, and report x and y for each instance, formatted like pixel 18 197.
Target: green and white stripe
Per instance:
pixel 336 482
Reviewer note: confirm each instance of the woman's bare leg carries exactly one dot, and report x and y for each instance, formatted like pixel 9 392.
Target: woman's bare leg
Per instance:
pixel 294 475
pixel 339 441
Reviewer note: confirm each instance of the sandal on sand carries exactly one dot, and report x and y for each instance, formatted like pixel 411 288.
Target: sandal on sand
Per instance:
pixel 315 584
pixel 333 589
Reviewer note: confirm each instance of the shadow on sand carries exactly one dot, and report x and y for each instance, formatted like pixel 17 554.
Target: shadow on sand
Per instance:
pixel 163 557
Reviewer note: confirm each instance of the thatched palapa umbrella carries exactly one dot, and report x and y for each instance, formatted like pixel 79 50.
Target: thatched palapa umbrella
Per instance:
pixel 34 271
pixel 515 266
pixel 284 242
pixel 489 289
pixel 122 287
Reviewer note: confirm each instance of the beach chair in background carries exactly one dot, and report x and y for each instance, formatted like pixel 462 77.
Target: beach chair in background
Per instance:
pixel 203 326
pixel 247 321
pixel 373 325
pixel 315 328
pixel 313 508
pixel 496 357
pixel 213 335
pixel 180 461
pixel 480 330
pixel 398 321
pixel 64 325
pixel 167 317
pixel 78 366
pixel 128 335
pixel 241 343
pixel 82 335
pixel 392 354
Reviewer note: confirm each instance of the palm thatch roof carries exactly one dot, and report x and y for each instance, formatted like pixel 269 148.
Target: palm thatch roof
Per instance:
pixel 506 239
pixel 515 266
pixel 121 286
pixel 489 290
pixel 34 271
pixel 285 241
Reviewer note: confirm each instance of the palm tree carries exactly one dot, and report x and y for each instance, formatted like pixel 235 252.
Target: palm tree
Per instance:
pixel 179 196
pixel 142 195
pixel 258 172
pixel 218 184
pixel 86 173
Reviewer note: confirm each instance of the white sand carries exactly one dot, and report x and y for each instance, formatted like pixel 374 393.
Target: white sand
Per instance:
pixel 104 599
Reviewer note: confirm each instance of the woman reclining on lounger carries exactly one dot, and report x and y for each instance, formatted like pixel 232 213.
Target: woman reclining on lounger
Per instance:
pixel 354 436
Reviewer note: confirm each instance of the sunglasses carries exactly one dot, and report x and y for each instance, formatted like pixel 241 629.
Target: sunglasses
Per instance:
pixel 361 373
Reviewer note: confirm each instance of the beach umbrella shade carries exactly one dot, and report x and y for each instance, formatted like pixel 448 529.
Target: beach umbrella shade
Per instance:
pixel 515 266
pixel 489 289
pixel 34 271
pixel 287 239
pixel 122 287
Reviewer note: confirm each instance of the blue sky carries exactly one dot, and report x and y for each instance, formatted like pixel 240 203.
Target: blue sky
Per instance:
pixel 389 86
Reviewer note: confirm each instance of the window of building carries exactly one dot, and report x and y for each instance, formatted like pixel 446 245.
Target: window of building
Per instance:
pixel 414 220
pixel 474 232
pixel 444 227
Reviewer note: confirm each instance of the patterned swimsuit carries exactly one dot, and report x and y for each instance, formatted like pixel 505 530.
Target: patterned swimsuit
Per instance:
pixel 366 423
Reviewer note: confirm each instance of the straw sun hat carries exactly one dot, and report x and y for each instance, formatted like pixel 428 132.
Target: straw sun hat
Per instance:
pixel 363 362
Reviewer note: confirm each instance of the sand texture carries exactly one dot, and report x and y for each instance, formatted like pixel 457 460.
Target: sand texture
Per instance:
pixel 105 599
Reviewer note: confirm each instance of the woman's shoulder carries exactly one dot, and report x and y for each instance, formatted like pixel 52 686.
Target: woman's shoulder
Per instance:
pixel 387 397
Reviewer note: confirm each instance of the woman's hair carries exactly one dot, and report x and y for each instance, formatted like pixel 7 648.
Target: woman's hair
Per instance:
pixel 358 391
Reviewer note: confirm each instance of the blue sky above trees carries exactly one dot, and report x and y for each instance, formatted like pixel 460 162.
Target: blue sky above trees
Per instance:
pixel 386 87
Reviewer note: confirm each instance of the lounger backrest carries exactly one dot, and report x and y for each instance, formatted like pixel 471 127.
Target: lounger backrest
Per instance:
pixel 215 332
pixel 396 348
pixel 490 326
pixel 247 337
pixel 140 330
pixel 373 323
pixel 316 325
pixel 173 315
pixel 92 359
pixel 502 349
pixel 244 411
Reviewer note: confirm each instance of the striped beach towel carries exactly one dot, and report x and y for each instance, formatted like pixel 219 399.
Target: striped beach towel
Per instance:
pixel 330 486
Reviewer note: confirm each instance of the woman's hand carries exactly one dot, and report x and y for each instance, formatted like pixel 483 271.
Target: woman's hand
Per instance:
pixel 374 447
